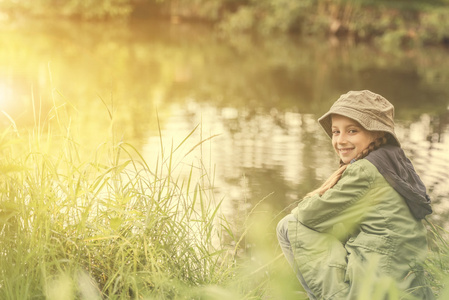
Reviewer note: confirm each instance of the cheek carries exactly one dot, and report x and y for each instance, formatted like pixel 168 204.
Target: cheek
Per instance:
pixel 366 141
pixel 334 143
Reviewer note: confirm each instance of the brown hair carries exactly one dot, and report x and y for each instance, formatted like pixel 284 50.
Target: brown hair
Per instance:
pixel 381 139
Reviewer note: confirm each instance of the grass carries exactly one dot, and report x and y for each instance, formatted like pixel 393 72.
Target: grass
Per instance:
pixel 109 227
pixel 437 263
pixel 112 227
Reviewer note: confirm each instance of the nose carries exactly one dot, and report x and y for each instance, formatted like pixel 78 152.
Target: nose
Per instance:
pixel 341 138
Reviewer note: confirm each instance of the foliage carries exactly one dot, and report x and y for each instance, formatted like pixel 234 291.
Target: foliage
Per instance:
pixel 434 27
pixel 268 16
pixel 437 264
pixel 85 9
pixel 405 22
pixel 109 227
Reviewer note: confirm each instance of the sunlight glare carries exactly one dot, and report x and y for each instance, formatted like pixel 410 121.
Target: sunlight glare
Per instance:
pixel 5 95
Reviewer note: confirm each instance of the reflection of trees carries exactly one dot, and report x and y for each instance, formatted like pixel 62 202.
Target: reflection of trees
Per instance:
pixel 439 125
pixel 309 76
pixel 409 103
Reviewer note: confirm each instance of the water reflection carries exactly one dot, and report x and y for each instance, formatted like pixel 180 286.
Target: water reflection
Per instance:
pixel 262 96
pixel 274 159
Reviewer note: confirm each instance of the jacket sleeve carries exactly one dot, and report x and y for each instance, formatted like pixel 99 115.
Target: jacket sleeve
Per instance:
pixel 344 204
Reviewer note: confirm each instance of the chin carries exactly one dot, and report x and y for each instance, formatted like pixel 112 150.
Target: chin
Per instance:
pixel 346 160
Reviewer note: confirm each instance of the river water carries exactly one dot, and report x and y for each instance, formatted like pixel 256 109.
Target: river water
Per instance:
pixel 258 99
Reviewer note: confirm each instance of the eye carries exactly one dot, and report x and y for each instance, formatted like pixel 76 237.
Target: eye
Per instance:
pixel 352 131
pixel 335 132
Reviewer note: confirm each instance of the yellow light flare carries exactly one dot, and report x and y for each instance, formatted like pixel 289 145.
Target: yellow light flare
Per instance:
pixel 6 94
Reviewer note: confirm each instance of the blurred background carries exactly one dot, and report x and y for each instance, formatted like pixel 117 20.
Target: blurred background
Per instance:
pixel 253 74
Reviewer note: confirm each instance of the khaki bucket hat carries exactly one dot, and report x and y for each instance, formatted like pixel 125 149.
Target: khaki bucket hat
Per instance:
pixel 372 111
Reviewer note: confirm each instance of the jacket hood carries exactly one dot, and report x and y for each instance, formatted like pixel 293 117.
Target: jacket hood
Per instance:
pixel 398 171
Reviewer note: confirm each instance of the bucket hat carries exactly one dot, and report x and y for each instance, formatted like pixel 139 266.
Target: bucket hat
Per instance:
pixel 372 111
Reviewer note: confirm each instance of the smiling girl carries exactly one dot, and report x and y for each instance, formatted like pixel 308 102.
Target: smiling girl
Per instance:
pixel 362 229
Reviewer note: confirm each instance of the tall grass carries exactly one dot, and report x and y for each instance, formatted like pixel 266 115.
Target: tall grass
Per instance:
pixel 437 263
pixel 109 227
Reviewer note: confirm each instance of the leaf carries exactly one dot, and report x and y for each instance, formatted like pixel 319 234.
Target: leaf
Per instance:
pixel 205 140
pixel 101 237
pixel 115 223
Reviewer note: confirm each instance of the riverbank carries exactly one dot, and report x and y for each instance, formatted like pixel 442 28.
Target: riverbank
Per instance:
pixel 399 23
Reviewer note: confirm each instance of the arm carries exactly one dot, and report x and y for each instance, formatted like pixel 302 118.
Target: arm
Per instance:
pixel 343 204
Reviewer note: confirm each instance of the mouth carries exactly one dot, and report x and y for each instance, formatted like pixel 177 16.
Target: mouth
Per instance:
pixel 345 150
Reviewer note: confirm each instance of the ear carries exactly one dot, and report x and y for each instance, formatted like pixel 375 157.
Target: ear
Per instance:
pixel 378 134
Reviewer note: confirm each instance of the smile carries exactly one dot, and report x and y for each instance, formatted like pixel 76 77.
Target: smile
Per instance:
pixel 345 150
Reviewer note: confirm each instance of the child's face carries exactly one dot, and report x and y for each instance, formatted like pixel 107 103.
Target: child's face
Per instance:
pixel 349 138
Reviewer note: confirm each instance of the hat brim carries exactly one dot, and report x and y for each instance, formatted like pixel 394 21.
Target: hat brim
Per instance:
pixel 369 124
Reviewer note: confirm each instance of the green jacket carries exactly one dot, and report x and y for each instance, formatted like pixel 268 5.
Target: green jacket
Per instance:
pixel 359 238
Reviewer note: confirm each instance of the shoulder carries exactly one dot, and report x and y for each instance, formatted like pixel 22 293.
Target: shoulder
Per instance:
pixel 359 175
pixel 362 168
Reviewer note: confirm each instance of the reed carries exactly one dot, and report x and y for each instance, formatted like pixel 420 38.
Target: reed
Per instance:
pixel 109 227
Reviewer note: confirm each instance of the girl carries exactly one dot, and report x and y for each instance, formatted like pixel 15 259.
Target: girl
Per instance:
pixel 362 228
